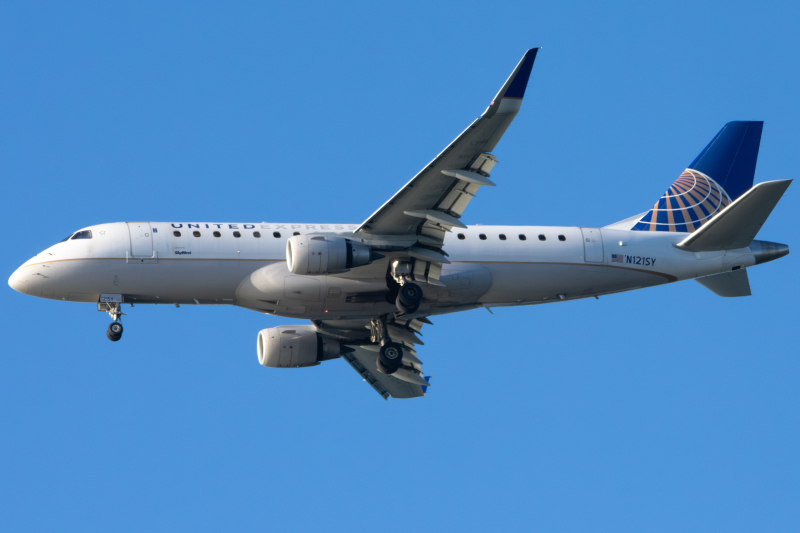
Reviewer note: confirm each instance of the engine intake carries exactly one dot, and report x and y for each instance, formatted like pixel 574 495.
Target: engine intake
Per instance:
pixel 318 254
pixel 295 347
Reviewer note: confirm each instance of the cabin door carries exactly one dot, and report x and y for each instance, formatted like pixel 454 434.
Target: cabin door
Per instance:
pixel 592 245
pixel 141 239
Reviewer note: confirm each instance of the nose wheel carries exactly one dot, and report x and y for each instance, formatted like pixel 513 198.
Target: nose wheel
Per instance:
pixel 114 332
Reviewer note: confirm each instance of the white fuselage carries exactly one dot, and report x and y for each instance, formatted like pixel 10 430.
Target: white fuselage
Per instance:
pixel 148 263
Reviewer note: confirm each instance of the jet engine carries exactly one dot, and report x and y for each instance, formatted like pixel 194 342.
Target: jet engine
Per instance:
pixel 295 347
pixel 318 254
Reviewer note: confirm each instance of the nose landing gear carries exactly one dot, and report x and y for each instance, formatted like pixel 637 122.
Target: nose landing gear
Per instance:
pixel 114 332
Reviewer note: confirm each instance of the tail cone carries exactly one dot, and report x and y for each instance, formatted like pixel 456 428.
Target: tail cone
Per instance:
pixel 768 251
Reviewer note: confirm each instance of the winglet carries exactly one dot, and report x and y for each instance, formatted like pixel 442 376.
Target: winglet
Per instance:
pixel 515 85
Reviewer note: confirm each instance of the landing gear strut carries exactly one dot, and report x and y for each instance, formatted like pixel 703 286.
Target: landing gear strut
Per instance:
pixel 114 332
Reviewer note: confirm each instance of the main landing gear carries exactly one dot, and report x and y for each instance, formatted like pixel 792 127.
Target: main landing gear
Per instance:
pixel 114 332
pixel 408 298
pixel 390 356
pixel 402 292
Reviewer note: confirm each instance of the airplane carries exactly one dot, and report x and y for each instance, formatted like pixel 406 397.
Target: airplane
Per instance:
pixel 369 289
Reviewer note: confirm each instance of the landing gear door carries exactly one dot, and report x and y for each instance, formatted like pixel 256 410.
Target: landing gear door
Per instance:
pixel 592 245
pixel 141 242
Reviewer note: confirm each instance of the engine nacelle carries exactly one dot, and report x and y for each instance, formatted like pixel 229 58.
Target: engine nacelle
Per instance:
pixel 295 347
pixel 319 254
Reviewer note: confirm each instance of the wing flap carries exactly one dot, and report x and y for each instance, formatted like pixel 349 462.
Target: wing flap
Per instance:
pixel 363 361
pixel 408 383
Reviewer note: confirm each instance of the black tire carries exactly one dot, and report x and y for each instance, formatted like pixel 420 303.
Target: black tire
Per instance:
pixel 403 309
pixel 114 332
pixel 383 369
pixel 390 358
pixel 408 298
pixel 410 294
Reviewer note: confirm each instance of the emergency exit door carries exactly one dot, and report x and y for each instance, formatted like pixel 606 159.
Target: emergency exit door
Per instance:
pixel 592 245
pixel 141 239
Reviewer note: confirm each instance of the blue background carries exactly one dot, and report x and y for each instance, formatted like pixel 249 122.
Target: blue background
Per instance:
pixel 667 409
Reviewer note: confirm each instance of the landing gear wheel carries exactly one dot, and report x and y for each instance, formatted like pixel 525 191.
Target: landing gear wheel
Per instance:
pixel 409 298
pixel 114 332
pixel 390 358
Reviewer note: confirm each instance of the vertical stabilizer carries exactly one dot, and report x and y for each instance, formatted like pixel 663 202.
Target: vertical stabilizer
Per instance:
pixel 730 158
pixel 723 171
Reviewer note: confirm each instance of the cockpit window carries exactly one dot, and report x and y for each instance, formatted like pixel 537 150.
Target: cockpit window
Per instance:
pixel 65 239
pixel 85 234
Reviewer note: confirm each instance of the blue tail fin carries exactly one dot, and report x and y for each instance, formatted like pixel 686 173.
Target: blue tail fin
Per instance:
pixel 730 158
pixel 722 172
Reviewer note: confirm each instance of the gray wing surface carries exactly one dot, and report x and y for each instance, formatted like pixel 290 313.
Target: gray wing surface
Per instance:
pixel 433 201
pixel 363 361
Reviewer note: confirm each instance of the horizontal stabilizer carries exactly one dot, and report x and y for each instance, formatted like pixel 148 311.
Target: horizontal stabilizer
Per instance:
pixel 727 284
pixel 738 224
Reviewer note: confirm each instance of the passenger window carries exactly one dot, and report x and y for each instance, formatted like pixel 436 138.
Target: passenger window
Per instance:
pixel 461 237
pixel 502 237
pixel 296 233
pixel 176 233
pixel 522 237
pixel 237 234
pixel 482 236
pixel 85 234
pixel 276 234
pixel 542 238
pixel 562 238
pixel 196 233
pixel 257 234
pixel 216 234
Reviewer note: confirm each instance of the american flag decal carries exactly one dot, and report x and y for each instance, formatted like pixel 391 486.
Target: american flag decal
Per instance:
pixel 616 258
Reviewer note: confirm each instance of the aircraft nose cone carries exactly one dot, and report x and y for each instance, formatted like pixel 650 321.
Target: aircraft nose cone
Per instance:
pixel 16 282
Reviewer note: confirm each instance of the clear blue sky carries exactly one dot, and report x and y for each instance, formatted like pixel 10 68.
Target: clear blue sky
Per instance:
pixel 668 409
